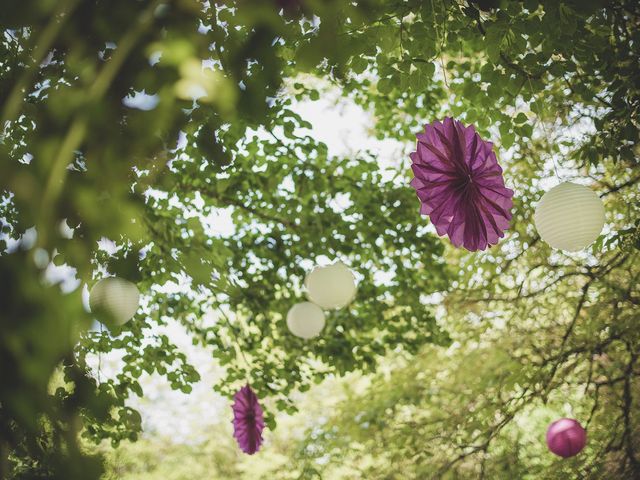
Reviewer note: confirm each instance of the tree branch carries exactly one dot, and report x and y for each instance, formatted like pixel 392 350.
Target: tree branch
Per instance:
pixel 626 409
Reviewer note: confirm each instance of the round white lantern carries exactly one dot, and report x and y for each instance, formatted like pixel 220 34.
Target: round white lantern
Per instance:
pixel 305 320
pixel 333 286
pixel 569 216
pixel 114 300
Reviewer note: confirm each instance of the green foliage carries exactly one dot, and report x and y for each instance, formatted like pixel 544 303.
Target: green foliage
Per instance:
pixel 548 80
pixel 536 337
pixel 162 459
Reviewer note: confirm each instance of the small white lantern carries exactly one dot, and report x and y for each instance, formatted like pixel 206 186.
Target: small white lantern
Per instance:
pixel 305 320
pixel 569 217
pixel 114 300
pixel 333 286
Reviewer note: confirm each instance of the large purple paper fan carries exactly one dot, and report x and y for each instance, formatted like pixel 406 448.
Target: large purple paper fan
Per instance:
pixel 248 420
pixel 460 185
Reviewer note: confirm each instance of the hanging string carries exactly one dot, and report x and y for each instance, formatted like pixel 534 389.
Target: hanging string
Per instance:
pixel 544 129
pixel 441 38
pixel 237 343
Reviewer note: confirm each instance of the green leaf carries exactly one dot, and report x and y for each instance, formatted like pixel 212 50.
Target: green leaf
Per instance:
pixel 521 118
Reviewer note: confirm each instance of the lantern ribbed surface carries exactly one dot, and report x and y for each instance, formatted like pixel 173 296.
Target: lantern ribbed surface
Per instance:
pixel 333 286
pixel 566 437
pixel 569 217
pixel 114 300
pixel 305 320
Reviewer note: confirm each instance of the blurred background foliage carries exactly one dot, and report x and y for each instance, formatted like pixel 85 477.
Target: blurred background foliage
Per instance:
pixel 128 125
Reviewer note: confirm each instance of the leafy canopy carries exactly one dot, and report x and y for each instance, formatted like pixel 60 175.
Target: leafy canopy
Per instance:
pixel 83 160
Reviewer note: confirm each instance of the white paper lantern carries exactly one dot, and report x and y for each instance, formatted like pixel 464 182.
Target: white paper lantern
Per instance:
pixel 333 286
pixel 305 320
pixel 114 300
pixel 569 217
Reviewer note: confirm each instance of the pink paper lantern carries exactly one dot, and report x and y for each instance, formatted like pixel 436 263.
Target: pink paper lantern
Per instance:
pixel 566 437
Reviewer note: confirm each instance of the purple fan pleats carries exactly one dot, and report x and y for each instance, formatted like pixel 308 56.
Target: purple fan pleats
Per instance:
pixel 460 185
pixel 248 420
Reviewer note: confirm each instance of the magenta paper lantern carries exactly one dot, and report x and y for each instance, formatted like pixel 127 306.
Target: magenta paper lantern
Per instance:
pixel 460 185
pixel 566 437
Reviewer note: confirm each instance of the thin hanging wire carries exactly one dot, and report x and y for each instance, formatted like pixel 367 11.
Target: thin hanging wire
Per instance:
pixel 237 342
pixel 546 133
pixel 441 38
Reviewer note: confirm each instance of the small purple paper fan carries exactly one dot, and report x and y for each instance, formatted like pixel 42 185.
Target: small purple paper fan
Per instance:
pixel 460 185
pixel 248 420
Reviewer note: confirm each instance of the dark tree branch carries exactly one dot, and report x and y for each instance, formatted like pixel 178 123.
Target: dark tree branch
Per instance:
pixel 626 409
pixel 616 188
pixel 518 68
pixel 603 101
